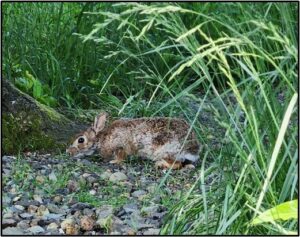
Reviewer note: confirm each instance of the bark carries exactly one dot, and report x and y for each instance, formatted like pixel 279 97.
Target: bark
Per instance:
pixel 28 125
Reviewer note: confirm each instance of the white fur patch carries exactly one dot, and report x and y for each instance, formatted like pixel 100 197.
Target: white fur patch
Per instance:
pixel 188 156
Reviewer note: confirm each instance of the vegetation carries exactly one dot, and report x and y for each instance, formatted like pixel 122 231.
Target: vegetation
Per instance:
pixel 237 60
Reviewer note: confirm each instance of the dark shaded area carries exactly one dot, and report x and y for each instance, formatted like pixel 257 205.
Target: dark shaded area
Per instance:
pixel 28 125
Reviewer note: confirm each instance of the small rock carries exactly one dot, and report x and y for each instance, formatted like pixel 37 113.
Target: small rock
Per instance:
pixel 40 179
pixel 12 231
pixel 52 226
pixel 38 198
pixel 104 211
pixel 8 215
pixel 19 207
pixel 139 194
pixel 42 210
pixel 32 209
pixel 67 222
pixel 57 199
pixel 85 175
pixel 26 203
pixel 150 210
pixel 26 215
pixel 117 177
pixel 72 186
pixel 104 215
pixel 55 209
pixel 152 231
pixel 70 227
pixel 23 224
pixel 8 223
pixel 36 229
pixel 131 207
pixel 87 223
pixel 105 175
pixel 17 198
pixel 88 212
pixel 79 206
pixel 52 216
pixel 92 192
pixel 91 179
pixel 52 176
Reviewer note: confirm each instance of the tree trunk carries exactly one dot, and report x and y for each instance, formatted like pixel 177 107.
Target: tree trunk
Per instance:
pixel 28 125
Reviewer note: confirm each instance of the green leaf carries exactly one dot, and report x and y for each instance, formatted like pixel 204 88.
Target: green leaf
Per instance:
pixel 37 89
pixel 284 211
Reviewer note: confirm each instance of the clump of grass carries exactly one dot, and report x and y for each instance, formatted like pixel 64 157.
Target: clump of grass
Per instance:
pixel 245 64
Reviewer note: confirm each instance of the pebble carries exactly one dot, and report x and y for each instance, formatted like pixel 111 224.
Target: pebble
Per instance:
pixel 23 224
pixel 8 223
pixel 40 179
pixel 38 198
pixel 36 229
pixel 87 223
pixel 105 175
pixel 57 199
pixel 17 198
pixel 152 231
pixel 12 231
pixel 19 207
pixel 85 175
pixel 32 209
pixel 104 211
pixel 55 209
pixel 26 215
pixel 52 176
pixel 131 207
pixel 93 192
pixel 140 194
pixel 42 210
pixel 67 222
pixel 52 226
pixel 72 186
pixel 91 179
pixel 117 177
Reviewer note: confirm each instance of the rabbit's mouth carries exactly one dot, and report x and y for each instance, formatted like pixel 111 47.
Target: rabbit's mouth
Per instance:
pixel 77 154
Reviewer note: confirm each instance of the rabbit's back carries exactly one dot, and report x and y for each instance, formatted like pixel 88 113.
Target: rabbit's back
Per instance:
pixel 155 138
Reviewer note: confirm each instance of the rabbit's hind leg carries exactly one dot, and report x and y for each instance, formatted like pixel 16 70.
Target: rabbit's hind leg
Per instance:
pixel 168 163
pixel 120 156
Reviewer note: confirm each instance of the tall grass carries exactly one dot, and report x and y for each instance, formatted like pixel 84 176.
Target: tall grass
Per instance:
pixel 237 60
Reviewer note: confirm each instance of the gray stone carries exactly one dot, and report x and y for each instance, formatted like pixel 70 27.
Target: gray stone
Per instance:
pixel 139 193
pixel 36 229
pixel 52 226
pixel 52 216
pixel 8 223
pixel 12 231
pixel 23 224
pixel 152 231
pixel 117 177
pixel 55 209
pixel 38 198
pixel 149 211
pixel 131 207
pixel 104 211
pixel 19 207
pixel 52 176
pixel 105 175
pixel 26 215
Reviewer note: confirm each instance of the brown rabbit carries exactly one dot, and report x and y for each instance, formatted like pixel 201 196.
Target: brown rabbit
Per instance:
pixel 167 141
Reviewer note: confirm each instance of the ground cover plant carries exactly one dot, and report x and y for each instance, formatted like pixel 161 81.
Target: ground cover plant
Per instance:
pixel 229 69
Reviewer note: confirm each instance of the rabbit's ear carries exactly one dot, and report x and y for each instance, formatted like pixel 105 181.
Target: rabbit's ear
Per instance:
pixel 99 122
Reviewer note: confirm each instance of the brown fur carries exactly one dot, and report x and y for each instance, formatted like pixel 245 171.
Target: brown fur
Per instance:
pixel 155 138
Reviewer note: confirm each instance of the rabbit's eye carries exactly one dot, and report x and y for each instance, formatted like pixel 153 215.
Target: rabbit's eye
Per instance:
pixel 81 140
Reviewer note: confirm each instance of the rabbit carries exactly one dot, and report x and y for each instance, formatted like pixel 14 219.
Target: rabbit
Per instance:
pixel 168 141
